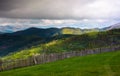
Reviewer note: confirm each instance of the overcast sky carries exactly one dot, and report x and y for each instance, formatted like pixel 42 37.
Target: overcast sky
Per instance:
pixel 60 9
pixel 84 10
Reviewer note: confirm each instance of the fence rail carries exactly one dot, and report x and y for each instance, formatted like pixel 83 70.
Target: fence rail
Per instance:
pixel 44 58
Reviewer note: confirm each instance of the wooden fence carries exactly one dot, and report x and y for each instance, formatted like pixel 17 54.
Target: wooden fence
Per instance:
pixel 44 58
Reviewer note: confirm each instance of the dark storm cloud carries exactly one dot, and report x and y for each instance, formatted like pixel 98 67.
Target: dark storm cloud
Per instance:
pixel 60 9
pixel 8 5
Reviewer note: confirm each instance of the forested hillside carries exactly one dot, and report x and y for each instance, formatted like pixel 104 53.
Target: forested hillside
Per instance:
pixel 71 43
pixel 16 41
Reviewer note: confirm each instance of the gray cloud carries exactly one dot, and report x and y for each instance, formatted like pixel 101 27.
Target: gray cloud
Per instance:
pixel 60 9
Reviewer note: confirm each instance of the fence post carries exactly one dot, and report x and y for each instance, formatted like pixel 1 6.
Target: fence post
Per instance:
pixel 34 60
pixel 1 62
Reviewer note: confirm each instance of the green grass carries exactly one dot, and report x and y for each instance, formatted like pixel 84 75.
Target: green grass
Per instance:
pixel 106 64
pixel 72 43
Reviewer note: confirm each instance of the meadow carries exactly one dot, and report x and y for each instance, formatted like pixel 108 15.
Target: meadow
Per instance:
pixel 105 64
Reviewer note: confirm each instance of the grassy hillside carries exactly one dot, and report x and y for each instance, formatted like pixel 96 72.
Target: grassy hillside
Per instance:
pixel 77 31
pixel 106 64
pixel 71 43
pixel 16 41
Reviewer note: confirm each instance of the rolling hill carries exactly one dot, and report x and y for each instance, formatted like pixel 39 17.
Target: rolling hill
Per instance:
pixel 43 33
pixel 16 41
pixel 50 32
pixel 66 43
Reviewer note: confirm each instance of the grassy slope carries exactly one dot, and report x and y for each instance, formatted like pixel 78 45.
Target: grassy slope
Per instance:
pixel 71 43
pixel 106 64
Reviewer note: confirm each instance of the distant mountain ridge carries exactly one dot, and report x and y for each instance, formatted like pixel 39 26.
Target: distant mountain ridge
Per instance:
pixel 7 29
pixel 115 26
pixel 1 33
pixel 12 29
pixel 44 33
pixel 49 32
